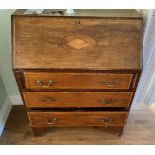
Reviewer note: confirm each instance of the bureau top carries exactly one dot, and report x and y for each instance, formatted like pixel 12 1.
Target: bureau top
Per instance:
pixel 129 13
pixel 74 42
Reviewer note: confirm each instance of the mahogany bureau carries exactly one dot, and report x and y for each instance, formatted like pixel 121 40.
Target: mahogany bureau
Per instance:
pixel 77 70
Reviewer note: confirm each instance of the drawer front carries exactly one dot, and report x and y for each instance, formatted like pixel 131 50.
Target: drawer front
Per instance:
pixel 77 99
pixel 47 119
pixel 44 80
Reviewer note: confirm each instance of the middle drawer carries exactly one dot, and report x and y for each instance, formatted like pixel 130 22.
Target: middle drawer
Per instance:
pixel 77 99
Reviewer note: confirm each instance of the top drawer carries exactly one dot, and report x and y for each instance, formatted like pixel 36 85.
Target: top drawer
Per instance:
pixel 45 80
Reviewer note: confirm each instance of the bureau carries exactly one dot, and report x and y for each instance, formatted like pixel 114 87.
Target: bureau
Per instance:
pixel 77 70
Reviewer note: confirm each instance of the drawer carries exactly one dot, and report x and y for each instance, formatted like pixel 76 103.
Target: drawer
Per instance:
pixel 77 99
pixel 48 80
pixel 47 119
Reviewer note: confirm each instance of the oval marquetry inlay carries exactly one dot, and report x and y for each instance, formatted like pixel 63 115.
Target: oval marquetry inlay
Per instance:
pixel 78 42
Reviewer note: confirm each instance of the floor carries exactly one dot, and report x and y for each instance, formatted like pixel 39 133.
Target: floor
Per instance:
pixel 140 129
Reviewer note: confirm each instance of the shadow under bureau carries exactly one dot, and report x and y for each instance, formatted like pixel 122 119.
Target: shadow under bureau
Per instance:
pixel 79 70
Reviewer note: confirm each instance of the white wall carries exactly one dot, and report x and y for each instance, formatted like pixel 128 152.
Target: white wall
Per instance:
pixel 146 90
pixel 6 53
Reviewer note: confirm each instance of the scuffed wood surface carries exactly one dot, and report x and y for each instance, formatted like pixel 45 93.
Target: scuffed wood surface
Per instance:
pixel 44 42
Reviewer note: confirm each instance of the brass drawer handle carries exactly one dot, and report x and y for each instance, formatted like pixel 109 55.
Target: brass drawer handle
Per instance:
pixel 52 121
pixel 104 120
pixel 42 83
pixel 78 22
pixel 107 101
pixel 110 83
pixel 50 83
pixel 47 99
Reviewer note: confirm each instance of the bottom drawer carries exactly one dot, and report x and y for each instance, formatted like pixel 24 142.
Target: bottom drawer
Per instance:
pixel 99 118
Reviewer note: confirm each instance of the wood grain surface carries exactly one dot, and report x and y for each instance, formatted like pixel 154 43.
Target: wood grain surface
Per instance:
pixel 77 99
pixel 103 43
pixel 77 80
pixel 49 119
